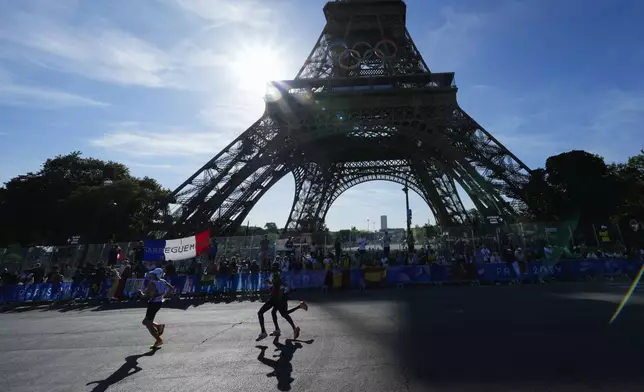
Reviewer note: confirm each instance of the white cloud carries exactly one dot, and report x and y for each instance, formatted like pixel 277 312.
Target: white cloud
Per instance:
pixel 12 93
pixel 96 49
pixel 144 140
pixel 233 117
pixel 92 51
pixel 222 12
pixel 19 95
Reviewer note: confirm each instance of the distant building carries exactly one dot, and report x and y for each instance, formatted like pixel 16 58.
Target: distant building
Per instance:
pixel 383 222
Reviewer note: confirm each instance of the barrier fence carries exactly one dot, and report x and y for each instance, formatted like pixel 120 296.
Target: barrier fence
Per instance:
pixel 346 279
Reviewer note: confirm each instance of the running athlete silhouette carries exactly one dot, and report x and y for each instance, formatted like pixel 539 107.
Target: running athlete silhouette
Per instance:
pixel 278 301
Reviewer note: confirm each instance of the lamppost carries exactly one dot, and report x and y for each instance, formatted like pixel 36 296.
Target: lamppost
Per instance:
pixel 410 239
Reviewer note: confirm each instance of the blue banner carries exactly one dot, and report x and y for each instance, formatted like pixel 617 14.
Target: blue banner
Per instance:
pixel 43 292
pixel 154 250
pixel 306 279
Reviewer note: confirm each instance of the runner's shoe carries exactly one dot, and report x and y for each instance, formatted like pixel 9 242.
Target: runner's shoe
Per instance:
pixel 276 333
pixel 296 333
pixel 261 336
pixel 304 306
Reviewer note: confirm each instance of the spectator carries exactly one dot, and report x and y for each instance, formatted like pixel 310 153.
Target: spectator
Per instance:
pixel 170 269
pixel 386 242
pixel 139 253
pixel 8 278
pixel 55 277
pixel 362 245
pixel 289 246
pixel 113 255
pixel 38 273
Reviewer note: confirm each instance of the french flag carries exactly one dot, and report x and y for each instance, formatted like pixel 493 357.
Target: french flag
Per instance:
pixel 177 249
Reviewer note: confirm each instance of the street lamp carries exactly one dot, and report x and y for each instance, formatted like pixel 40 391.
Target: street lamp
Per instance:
pixel 410 241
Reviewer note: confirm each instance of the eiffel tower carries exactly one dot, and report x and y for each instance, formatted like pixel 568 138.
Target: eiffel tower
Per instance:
pixel 363 107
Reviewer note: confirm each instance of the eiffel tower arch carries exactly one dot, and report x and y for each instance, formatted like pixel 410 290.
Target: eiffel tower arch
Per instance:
pixel 363 107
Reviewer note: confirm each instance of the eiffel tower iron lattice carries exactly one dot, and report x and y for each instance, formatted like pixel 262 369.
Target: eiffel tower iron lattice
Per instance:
pixel 363 107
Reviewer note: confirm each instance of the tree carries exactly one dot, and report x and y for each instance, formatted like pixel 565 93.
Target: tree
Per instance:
pixel 432 231
pixel 72 195
pixel 574 185
pixel 631 175
pixel 271 227
pixel 419 233
pixel 542 202
pixel 345 235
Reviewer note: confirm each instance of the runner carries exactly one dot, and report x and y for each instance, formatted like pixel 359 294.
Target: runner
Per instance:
pixel 156 292
pixel 279 302
pixel 282 307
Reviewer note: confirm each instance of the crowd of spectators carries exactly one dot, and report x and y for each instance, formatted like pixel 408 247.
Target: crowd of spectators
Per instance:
pixel 119 267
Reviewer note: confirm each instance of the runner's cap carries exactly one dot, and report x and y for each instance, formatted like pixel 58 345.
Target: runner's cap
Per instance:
pixel 158 272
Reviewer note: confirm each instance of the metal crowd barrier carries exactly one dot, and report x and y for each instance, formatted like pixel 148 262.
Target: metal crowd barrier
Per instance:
pixel 348 279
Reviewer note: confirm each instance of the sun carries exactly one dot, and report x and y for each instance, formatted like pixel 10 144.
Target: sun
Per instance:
pixel 253 66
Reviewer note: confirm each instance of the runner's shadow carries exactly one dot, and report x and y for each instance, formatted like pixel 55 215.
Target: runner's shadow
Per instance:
pixel 131 363
pixel 282 367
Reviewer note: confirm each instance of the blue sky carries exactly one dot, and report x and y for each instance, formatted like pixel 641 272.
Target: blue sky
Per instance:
pixel 163 85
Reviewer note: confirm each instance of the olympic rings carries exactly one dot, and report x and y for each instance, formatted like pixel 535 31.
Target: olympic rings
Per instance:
pixel 352 58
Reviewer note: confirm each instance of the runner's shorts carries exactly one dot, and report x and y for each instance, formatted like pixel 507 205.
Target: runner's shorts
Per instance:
pixel 153 308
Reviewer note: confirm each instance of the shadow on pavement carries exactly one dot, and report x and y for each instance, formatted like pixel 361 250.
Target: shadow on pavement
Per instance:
pixel 539 336
pixel 282 367
pixel 130 367
pixel 102 305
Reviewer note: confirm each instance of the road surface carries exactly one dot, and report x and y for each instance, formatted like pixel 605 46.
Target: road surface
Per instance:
pixel 508 338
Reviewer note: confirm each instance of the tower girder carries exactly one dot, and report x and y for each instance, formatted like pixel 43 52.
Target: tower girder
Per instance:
pixel 363 107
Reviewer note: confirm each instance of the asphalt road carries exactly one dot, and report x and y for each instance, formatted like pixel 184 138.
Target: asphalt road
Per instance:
pixel 510 338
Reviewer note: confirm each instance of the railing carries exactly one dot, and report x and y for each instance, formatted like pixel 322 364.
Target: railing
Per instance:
pixel 196 286
pixel 572 240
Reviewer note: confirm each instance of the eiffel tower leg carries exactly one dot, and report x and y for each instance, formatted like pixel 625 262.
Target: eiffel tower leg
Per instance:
pixel 447 206
pixel 224 190
pixel 467 154
pixel 491 169
pixel 311 182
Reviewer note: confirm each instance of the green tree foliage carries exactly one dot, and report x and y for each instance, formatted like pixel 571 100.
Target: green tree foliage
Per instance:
pixel 72 195
pixel 344 235
pixel 419 233
pixel 432 231
pixel 580 186
pixel 632 185
pixel 271 227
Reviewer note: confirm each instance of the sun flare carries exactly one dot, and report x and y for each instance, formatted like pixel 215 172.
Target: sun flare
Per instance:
pixel 253 66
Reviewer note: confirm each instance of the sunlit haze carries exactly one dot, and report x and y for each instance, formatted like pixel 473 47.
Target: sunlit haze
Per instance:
pixel 255 64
